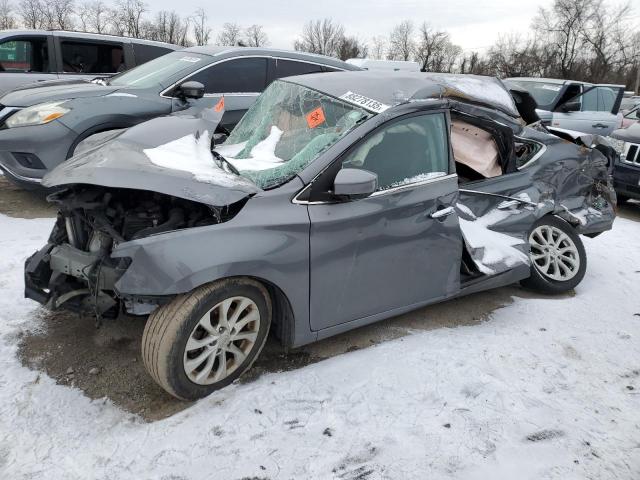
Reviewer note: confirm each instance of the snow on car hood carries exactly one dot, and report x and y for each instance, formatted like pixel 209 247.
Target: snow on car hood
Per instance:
pixel 170 155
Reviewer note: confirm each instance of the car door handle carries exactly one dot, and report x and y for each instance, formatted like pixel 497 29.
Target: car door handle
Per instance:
pixel 599 125
pixel 444 212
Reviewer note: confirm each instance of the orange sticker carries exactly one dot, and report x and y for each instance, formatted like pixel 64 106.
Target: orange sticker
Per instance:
pixel 315 117
pixel 220 105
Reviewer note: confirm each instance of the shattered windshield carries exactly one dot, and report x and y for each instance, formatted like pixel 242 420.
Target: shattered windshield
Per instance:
pixel 286 129
pixel 158 71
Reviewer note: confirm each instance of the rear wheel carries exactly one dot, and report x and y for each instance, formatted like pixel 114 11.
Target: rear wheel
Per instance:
pixel 558 258
pixel 206 339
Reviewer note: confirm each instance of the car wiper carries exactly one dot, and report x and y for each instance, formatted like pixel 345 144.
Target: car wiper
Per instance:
pixel 223 160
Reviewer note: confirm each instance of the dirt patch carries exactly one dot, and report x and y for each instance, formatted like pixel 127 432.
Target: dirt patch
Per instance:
pixel 16 202
pixel 106 362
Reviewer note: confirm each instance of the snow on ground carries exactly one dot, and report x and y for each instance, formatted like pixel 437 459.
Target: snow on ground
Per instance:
pixel 542 390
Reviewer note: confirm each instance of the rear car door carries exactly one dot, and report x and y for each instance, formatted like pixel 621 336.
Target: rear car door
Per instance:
pixel 239 80
pixel 598 113
pixel 400 246
pixel 498 207
pixel 26 59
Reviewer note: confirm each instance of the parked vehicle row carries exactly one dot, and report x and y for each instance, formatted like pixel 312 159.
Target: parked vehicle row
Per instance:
pixel 44 126
pixel 28 56
pixel 338 200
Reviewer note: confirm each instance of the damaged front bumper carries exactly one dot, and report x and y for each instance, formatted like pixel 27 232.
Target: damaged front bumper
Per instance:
pixel 65 277
pixel 58 275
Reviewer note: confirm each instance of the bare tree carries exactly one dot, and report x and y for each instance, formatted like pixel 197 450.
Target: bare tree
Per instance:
pixel 62 12
pixel 7 18
pixel 401 44
pixel 129 17
pixel 32 13
pixel 230 35
pixel 94 16
pixel 608 33
pixel 200 29
pixel 256 36
pixel 562 26
pixel 321 36
pixel 168 27
pixel 378 47
pixel 351 47
pixel 431 48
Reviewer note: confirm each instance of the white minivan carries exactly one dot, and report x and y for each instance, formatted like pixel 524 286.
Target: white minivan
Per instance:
pixel 582 107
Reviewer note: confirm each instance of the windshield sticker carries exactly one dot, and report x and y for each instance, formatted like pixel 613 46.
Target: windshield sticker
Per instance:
pixel 189 59
pixel 315 118
pixel 220 105
pixel 553 88
pixel 364 102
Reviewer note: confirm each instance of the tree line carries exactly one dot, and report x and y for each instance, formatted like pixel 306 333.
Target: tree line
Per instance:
pixel 589 40
pixel 131 18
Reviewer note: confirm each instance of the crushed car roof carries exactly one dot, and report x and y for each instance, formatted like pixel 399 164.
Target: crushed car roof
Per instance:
pixel 393 88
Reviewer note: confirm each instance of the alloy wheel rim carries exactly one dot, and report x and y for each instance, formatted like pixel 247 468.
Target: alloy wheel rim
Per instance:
pixel 554 253
pixel 221 340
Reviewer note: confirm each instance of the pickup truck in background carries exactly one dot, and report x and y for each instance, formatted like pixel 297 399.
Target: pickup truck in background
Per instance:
pixel 571 105
pixel 28 56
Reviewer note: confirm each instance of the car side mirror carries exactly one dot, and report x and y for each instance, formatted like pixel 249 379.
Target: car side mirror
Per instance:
pixel 570 107
pixel 191 89
pixel 354 183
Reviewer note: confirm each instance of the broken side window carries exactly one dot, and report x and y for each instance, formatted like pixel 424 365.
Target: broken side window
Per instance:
pixel 525 152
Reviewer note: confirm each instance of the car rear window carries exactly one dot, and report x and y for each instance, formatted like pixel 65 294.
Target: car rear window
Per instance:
pixel 89 57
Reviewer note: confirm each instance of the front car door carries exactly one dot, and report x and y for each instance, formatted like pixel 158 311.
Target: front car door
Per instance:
pixel 239 80
pixel 25 59
pixel 399 247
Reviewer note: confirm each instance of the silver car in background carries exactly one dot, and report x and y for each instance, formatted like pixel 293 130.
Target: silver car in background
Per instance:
pixel 30 56
pixel 578 106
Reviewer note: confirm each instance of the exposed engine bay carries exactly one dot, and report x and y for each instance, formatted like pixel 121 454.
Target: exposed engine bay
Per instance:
pixel 75 267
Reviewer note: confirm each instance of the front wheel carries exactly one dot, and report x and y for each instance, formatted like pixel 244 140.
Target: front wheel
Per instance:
pixel 558 258
pixel 204 340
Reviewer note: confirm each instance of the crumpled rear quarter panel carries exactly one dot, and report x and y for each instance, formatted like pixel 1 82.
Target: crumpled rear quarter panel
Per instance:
pixel 577 182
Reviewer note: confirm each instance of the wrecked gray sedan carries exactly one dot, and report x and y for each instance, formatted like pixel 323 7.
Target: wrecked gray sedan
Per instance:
pixel 338 200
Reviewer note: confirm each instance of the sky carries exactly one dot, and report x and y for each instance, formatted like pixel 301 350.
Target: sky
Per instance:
pixel 474 25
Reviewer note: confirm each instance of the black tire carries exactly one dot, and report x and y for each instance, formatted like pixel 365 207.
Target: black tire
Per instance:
pixel 622 199
pixel 168 329
pixel 538 280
